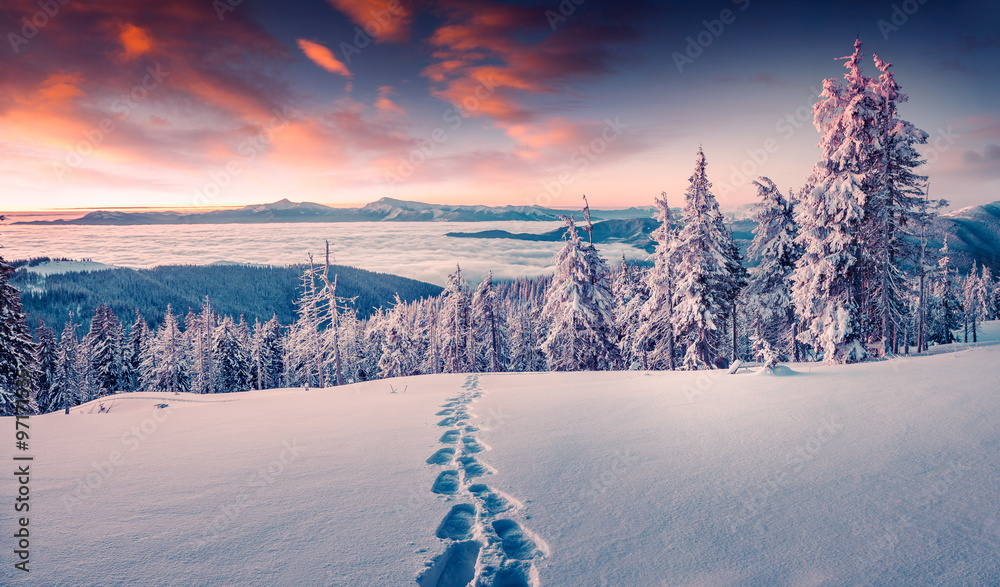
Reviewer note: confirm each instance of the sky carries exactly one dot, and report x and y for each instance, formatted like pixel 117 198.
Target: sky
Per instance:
pixel 214 103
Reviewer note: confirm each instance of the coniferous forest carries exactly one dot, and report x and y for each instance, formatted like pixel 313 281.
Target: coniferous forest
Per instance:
pixel 839 271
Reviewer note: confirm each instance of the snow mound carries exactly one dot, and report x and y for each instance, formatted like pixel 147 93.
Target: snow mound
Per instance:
pixel 776 371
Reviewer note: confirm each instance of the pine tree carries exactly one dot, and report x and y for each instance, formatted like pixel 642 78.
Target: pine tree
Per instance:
pixel 654 339
pixel 397 358
pixel 894 202
pixel 229 347
pixel 138 341
pixel 769 294
pixel 709 274
pixel 200 330
pixel 489 329
pixel 525 321
pixel 828 277
pixel 374 342
pixel 944 315
pixel 975 301
pixel 169 368
pixel 66 385
pixel 578 310
pixel 88 387
pixel 106 340
pixel 630 292
pixel 17 365
pixel 266 354
pixel 454 324
pixel 46 352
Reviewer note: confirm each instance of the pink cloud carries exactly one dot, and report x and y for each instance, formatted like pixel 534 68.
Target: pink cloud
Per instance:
pixel 323 57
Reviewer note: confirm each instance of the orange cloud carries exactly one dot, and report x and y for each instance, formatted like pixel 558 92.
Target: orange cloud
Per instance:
pixel 384 20
pixel 323 57
pixel 135 41
pixel 384 104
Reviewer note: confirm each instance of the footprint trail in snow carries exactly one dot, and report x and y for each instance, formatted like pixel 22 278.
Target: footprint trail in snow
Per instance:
pixel 484 546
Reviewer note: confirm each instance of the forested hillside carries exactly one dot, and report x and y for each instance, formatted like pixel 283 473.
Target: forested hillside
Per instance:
pixel 257 292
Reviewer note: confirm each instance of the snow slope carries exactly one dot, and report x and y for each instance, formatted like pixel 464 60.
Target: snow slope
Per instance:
pixel 880 473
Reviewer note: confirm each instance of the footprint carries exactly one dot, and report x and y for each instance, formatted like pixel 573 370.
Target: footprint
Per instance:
pixel 473 468
pixel 442 457
pixel 451 436
pixel 446 412
pixel 471 445
pixel 446 483
pixel 459 523
pixel 514 574
pixel 515 541
pixel 494 502
pixel 455 567
pixel 449 421
pixel 472 428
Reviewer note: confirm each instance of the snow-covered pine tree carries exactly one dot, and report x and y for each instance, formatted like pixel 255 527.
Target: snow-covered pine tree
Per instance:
pixel 85 370
pixel 107 340
pixel 988 300
pixel 429 335
pixel 454 324
pixel 524 320
pixel 945 314
pixel 630 292
pixel 351 344
pixel 374 341
pixel 652 310
pixel 330 308
pixel 46 351
pixel 708 273
pixel 138 338
pixel 769 293
pixel 266 354
pixel 578 310
pixel 975 302
pixel 828 277
pixel 489 330
pixel 397 358
pixel 200 330
pixel 17 371
pixel 232 373
pixel 169 365
pixel 894 203
pixel 306 345
pixel 66 385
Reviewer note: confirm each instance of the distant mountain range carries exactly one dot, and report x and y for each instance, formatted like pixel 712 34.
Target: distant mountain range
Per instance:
pixel 384 210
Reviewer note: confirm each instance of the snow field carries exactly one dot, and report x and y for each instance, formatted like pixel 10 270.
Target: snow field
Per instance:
pixel 869 474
